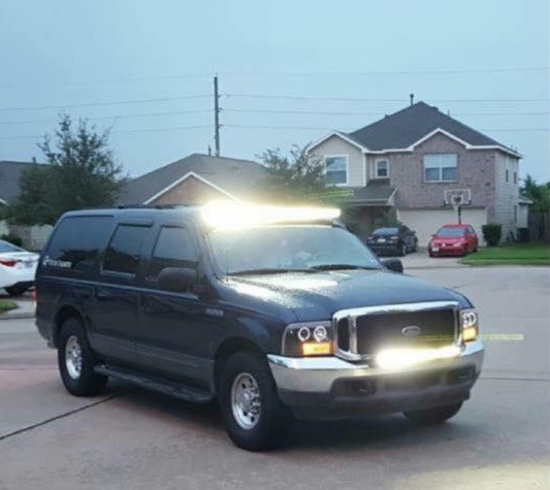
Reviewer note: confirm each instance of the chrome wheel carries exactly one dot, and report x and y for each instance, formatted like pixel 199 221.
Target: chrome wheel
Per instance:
pixel 73 357
pixel 245 401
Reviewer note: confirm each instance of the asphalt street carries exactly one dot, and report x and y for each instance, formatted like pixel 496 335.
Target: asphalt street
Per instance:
pixel 131 438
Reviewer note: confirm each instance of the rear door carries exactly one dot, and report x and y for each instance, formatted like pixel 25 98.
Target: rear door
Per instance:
pixel 114 317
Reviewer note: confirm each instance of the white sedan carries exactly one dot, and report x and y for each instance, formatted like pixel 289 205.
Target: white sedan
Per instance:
pixel 17 268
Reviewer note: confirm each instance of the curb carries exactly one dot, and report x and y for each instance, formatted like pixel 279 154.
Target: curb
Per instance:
pixel 16 314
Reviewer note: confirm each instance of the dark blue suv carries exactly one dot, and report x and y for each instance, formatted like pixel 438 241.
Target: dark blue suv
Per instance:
pixel 274 312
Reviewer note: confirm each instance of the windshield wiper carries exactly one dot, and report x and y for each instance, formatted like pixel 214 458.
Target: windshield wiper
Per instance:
pixel 335 267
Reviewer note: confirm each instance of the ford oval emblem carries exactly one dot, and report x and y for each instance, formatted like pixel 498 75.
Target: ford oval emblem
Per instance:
pixel 411 331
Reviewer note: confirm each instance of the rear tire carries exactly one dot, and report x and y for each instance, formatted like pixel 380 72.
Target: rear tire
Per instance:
pixel 76 361
pixel 436 415
pixel 15 291
pixel 253 416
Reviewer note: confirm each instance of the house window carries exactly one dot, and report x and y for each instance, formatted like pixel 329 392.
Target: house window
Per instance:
pixel 516 215
pixel 440 167
pixel 382 169
pixel 507 175
pixel 336 170
pixel 515 177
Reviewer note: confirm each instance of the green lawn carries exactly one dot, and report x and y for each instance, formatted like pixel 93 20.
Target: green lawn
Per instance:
pixel 6 305
pixel 517 254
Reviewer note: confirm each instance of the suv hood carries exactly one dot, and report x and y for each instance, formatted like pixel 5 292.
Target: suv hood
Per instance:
pixel 312 296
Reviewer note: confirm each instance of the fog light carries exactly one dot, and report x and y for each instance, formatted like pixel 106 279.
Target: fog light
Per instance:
pixel 316 348
pixel 469 334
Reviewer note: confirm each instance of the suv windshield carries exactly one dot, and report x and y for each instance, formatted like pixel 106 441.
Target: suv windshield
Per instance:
pixel 284 248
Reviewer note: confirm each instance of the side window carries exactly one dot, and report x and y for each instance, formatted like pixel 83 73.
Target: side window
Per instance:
pixel 174 248
pixel 75 244
pixel 124 251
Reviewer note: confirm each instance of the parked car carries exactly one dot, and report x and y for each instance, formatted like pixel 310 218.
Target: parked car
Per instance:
pixel 273 312
pixel 453 240
pixel 17 268
pixel 394 240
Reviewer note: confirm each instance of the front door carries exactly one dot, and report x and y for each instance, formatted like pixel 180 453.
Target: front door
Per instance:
pixel 174 329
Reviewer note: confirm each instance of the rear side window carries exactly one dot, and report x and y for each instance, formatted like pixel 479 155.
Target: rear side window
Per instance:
pixel 76 242
pixel 124 252
pixel 174 248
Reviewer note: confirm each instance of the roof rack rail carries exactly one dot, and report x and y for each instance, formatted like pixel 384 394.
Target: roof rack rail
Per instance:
pixel 152 206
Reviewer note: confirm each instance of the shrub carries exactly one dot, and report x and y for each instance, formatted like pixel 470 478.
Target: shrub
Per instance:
pixel 492 233
pixel 14 239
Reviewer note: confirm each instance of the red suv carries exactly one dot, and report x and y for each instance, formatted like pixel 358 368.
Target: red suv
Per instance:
pixel 453 240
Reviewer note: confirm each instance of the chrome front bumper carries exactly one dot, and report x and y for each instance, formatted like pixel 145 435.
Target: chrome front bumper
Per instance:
pixel 330 382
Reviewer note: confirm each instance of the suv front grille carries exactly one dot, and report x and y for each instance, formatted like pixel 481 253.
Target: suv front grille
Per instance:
pixel 362 332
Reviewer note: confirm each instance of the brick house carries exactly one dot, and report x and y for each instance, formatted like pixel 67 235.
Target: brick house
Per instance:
pixel 413 161
pixel 196 179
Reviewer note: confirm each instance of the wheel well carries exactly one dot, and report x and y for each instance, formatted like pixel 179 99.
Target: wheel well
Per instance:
pixel 62 315
pixel 227 349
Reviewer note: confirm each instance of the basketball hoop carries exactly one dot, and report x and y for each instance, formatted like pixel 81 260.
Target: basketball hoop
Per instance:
pixel 457 198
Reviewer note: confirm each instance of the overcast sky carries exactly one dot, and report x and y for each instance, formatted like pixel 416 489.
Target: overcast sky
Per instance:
pixel 289 72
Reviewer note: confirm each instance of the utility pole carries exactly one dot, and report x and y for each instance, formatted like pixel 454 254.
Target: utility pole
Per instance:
pixel 216 117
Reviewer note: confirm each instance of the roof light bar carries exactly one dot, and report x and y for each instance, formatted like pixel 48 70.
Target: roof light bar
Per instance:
pixel 240 214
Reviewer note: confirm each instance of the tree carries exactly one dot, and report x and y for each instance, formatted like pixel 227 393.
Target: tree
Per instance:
pixel 294 178
pixel 80 173
pixel 538 193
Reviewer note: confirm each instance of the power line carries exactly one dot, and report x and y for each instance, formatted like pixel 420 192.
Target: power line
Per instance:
pixel 113 116
pixel 350 113
pixel 317 128
pixel 248 96
pixel 430 71
pixel 360 99
pixel 421 71
pixel 128 131
pixel 244 126
pixel 262 111
pixel 114 102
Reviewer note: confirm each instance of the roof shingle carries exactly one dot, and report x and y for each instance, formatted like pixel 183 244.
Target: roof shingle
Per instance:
pixel 240 178
pixel 405 127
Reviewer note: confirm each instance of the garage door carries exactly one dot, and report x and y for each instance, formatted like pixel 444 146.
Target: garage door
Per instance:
pixel 426 222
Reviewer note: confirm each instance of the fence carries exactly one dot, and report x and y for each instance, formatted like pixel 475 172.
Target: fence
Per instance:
pixel 539 226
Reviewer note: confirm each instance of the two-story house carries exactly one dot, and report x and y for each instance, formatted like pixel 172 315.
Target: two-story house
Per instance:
pixel 413 162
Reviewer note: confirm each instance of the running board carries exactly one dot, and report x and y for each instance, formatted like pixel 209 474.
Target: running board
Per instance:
pixel 183 392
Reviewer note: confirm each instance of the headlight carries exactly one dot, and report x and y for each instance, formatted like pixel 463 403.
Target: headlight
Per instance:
pixel 469 325
pixel 308 339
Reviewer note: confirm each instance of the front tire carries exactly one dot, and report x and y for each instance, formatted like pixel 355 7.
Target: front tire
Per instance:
pixel 76 361
pixel 436 415
pixel 403 250
pixel 252 413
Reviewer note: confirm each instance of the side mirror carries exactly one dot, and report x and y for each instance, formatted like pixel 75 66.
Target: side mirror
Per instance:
pixel 394 265
pixel 176 279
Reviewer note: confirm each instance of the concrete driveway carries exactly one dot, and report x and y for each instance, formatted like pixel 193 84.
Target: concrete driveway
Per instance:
pixel 135 439
pixel 421 260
